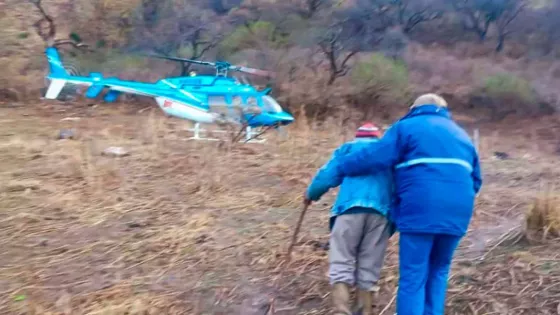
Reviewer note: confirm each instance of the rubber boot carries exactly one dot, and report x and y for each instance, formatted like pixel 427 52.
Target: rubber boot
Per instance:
pixel 364 303
pixel 341 299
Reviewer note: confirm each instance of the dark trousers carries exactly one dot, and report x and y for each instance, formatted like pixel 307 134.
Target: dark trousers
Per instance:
pixel 424 263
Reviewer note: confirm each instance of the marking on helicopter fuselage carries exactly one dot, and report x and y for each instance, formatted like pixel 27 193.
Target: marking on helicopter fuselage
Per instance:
pixel 169 83
pixel 181 90
pixel 190 95
pixel 167 103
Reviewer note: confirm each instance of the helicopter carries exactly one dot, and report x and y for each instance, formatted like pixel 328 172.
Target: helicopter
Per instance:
pixel 202 99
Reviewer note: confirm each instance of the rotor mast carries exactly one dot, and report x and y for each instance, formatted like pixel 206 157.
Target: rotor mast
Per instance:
pixel 222 68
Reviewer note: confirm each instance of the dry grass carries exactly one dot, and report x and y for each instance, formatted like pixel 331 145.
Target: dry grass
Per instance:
pixel 543 217
pixel 183 227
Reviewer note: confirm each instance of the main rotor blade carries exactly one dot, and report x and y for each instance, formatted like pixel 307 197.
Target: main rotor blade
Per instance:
pixel 206 63
pixel 213 64
pixel 253 71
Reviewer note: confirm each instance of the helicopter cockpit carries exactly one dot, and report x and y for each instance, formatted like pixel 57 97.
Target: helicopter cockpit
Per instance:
pixel 270 105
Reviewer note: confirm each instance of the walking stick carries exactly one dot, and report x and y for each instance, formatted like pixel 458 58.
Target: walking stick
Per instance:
pixel 270 307
pixel 296 232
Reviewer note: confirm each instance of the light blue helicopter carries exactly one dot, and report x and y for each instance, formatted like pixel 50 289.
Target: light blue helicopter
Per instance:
pixel 205 99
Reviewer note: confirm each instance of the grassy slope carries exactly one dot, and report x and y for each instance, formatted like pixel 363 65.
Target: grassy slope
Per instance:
pixel 184 227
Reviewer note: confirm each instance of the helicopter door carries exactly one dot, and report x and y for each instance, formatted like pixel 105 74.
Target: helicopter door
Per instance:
pixel 218 104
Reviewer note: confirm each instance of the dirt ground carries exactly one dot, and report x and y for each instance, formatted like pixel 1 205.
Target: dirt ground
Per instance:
pixel 187 227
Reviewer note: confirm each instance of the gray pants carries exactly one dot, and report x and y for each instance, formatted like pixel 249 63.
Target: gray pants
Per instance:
pixel 357 249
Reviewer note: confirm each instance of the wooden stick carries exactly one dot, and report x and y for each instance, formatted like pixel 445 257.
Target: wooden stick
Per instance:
pixel 296 232
pixel 270 309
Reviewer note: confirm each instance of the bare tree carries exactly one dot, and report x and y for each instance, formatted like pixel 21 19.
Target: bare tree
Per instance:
pixel 547 26
pixel 479 15
pixel 474 17
pixel 332 45
pixel 46 29
pixel 411 13
pixel 406 13
pixel 307 9
pixel 175 29
pixel 510 12
pixel 222 7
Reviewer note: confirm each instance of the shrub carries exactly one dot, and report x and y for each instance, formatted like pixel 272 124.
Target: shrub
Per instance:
pixel 379 80
pixel 505 94
pixel 253 35
pixel 543 218
pixel 509 86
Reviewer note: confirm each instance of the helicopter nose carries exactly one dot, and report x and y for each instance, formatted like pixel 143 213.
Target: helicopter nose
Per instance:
pixel 284 118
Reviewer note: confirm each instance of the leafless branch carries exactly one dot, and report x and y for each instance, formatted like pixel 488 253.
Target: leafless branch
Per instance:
pixel 48 36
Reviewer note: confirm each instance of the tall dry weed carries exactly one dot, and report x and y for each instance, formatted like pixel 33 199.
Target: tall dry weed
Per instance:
pixel 543 217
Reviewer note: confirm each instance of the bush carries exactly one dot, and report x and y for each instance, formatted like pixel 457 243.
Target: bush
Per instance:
pixel 505 94
pixel 253 35
pixel 379 81
pixel 509 86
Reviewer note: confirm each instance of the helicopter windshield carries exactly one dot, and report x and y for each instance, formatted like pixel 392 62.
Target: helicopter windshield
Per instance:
pixel 270 105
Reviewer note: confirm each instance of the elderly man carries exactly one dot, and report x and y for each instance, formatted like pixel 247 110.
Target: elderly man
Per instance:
pixel 359 225
pixel 437 176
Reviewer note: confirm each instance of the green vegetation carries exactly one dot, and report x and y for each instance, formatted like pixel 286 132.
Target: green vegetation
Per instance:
pixel 507 85
pixel 383 76
pixel 253 35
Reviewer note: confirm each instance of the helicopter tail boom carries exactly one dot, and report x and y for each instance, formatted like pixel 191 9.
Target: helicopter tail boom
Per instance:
pixel 56 67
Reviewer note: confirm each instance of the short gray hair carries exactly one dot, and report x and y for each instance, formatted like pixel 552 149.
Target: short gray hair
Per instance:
pixel 429 99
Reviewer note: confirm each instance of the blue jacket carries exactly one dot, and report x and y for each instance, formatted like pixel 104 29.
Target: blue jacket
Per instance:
pixel 366 193
pixel 436 169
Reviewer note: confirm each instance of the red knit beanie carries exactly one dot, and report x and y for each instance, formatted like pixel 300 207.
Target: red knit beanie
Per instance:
pixel 368 130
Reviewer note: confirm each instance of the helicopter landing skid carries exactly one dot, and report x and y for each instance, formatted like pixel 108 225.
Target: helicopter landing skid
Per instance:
pixel 249 135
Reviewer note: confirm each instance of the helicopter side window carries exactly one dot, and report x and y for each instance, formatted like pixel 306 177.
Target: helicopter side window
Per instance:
pixel 217 100
pixel 270 105
pixel 251 101
pixel 236 101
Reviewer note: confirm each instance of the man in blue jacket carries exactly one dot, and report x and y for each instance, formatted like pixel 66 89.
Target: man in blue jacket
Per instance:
pixel 437 176
pixel 359 227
